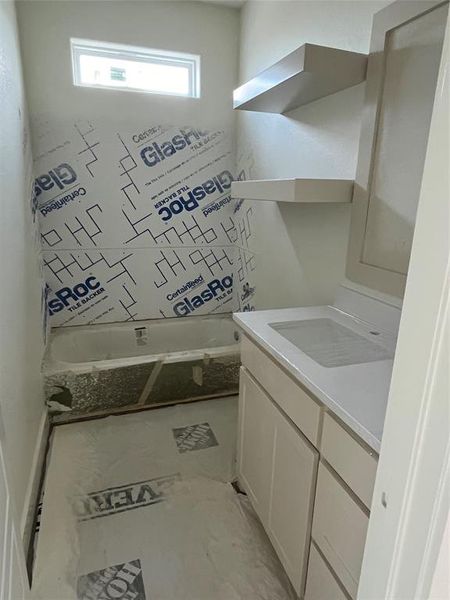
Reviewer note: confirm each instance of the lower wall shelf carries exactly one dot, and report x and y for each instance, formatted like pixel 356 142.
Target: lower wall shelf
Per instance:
pixel 302 191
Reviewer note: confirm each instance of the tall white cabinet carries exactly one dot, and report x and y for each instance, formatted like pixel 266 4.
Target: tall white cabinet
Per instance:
pixel 403 65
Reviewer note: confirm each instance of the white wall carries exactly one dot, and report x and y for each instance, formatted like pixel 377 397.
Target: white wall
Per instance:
pixel 21 318
pixel 47 26
pixel 138 259
pixel 299 251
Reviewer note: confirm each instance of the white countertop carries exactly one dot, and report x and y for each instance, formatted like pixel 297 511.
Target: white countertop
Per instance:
pixel 356 393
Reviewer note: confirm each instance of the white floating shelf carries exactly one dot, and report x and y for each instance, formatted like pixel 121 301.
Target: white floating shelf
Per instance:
pixel 295 190
pixel 308 73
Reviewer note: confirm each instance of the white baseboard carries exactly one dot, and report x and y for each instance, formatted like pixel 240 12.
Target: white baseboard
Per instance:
pixel 28 512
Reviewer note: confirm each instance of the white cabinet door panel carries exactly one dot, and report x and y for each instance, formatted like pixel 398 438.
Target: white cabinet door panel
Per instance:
pixel 291 500
pixel 413 53
pixel 321 583
pixel 255 443
pixel 403 64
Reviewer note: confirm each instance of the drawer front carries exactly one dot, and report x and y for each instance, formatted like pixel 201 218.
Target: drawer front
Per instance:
pixel 354 463
pixel 320 582
pixel 290 397
pixel 339 529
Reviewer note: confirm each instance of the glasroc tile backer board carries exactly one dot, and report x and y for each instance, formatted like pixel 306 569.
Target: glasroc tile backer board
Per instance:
pixel 139 507
pixel 130 215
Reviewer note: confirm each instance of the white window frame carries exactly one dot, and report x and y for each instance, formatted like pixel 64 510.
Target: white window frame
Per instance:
pixel 81 47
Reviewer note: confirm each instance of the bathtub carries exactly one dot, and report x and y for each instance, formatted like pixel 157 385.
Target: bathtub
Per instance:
pixel 109 367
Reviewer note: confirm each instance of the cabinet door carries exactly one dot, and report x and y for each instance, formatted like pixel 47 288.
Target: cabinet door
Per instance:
pixel 294 471
pixel 405 51
pixel 321 583
pixel 255 443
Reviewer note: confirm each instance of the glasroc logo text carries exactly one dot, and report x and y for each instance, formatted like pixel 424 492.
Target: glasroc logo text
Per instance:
pixel 74 297
pixel 190 201
pixel 216 289
pixel 59 178
pixel 155 153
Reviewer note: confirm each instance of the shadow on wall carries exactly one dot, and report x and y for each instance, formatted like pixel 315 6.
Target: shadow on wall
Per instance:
pixel 316 242
pixel 300 251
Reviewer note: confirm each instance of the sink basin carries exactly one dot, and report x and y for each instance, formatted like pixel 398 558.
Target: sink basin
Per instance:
pixel 331 344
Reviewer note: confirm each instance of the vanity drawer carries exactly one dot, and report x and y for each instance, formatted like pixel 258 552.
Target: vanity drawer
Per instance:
pixel 356 464
pixel 288 395
pixel 321 583
pixel 339 529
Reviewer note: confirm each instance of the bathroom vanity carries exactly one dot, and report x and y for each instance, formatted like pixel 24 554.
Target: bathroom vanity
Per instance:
pixel 313 391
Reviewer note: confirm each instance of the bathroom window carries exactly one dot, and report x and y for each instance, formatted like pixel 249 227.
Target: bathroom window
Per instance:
pixel 116 66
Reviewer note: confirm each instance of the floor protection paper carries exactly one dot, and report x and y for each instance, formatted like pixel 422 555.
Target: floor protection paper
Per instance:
pixel 140 507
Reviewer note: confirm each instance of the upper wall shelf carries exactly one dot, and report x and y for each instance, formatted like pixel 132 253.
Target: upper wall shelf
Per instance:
pixel 295 190
pixel 308 73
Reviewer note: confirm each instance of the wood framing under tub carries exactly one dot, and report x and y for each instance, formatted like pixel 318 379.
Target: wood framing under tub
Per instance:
pixel 172 372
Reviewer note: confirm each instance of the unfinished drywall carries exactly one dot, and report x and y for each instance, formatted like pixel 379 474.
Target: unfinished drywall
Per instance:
pixel 299 251
pixel 107 224
pixel 22 301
